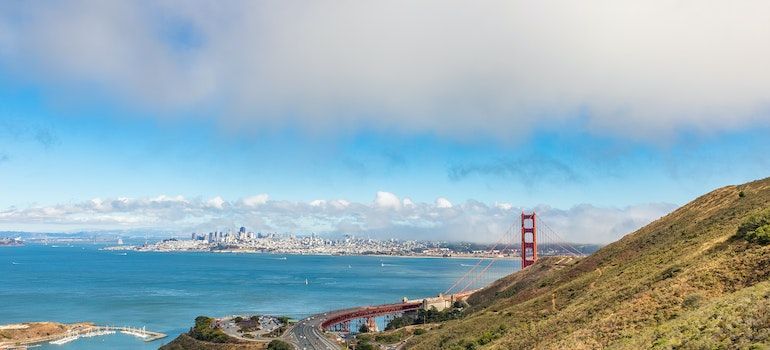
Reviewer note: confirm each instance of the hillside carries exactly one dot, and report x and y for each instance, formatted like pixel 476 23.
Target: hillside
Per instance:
pixel 685 281
pixel 204 335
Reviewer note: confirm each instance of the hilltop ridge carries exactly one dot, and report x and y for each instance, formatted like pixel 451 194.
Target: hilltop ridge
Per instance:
pixel 687 280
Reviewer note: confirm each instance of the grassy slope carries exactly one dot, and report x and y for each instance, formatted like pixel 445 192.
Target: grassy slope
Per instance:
pixel 186 342
pixel 682 281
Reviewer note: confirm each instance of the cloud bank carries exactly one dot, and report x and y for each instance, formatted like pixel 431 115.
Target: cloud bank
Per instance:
pixel 459 68
pixel 387 216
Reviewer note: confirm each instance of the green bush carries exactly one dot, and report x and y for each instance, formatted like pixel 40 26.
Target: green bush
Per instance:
pixel 364 345
pixel 424 316
pixel 670 272
pixel 390 338
pixel 205 330
pixel 363 329
pixel 279 345
pixel 756 228
pixel 692 301
pixel 419 331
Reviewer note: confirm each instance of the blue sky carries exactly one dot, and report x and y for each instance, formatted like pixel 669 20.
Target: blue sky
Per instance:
pixel 92 109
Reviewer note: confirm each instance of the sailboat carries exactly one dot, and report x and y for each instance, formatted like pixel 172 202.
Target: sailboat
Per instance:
pixel 120 241
pixel 306 281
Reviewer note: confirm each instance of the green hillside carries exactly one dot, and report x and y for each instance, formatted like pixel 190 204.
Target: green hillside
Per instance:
pixel 694 279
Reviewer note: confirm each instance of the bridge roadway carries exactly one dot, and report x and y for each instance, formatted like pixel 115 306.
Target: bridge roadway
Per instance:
pixel 309 334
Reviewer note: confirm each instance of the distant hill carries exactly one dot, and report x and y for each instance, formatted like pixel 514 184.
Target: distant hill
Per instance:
pixel 694 279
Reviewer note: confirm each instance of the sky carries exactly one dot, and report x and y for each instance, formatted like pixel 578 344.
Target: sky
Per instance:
pixel 407 119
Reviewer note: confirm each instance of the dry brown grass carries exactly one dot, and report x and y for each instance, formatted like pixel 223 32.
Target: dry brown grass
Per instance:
pixel 632 293
pixel 25 332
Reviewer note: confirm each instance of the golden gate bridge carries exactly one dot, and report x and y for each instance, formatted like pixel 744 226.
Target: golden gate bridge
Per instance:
pixel 533 231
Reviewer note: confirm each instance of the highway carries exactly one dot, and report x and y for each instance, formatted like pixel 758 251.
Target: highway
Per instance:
pixel 307 334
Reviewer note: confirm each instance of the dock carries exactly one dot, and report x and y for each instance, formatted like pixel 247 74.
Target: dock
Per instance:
pixel 85 332
pixel 142 333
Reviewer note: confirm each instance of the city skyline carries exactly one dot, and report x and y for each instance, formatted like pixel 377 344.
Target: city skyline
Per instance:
pixel 418 123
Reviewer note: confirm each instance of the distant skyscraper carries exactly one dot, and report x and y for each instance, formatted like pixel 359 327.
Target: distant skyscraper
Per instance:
pixel 242 230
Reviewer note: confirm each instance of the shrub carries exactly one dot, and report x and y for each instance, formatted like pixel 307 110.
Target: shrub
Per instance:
pixel 363 329
pixel 419 331
pixel 279 345
pixel 205 330
pixel 670 272
pixel 365 346
pixel 460 304
pixel 756 228
pixel 692 301
pixel 390 338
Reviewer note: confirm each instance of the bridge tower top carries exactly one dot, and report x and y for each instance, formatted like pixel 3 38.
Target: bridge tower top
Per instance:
pixel 528 239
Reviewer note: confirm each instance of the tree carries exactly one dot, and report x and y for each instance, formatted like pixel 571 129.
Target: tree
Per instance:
pixel 756 228
pixel 363 329
pixel 279 345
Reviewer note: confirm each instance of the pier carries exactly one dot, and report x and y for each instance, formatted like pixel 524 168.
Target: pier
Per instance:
pixel 85 332
pixel 142 333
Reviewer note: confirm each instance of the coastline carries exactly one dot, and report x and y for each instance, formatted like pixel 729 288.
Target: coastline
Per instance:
pixel 134 249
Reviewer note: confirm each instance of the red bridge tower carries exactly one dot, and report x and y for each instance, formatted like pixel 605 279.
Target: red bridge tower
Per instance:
pixel 528 239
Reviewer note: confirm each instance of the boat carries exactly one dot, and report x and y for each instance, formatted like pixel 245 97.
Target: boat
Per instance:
pixel 120 241
pixel 97 333
pixel 306 283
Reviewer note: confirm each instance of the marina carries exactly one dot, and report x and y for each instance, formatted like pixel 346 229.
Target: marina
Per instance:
pixel 97 331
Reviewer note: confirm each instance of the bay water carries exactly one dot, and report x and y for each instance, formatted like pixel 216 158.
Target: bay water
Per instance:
pixel 165 291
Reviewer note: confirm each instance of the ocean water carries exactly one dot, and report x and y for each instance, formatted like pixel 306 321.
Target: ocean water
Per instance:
pixel 166 291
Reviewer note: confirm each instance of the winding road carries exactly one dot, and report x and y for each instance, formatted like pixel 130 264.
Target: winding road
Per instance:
pixel 307 334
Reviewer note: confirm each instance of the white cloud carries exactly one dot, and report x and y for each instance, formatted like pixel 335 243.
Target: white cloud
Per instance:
pixel 452 67
pixel 387 200
pixel 254 201
pixel 216 202
pixel 442 202
pixel 504 206
pixel 340 203
pixel 469 221
pixel 317 203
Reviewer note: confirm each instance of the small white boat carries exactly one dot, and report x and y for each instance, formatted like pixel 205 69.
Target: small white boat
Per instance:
pixel 306 283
